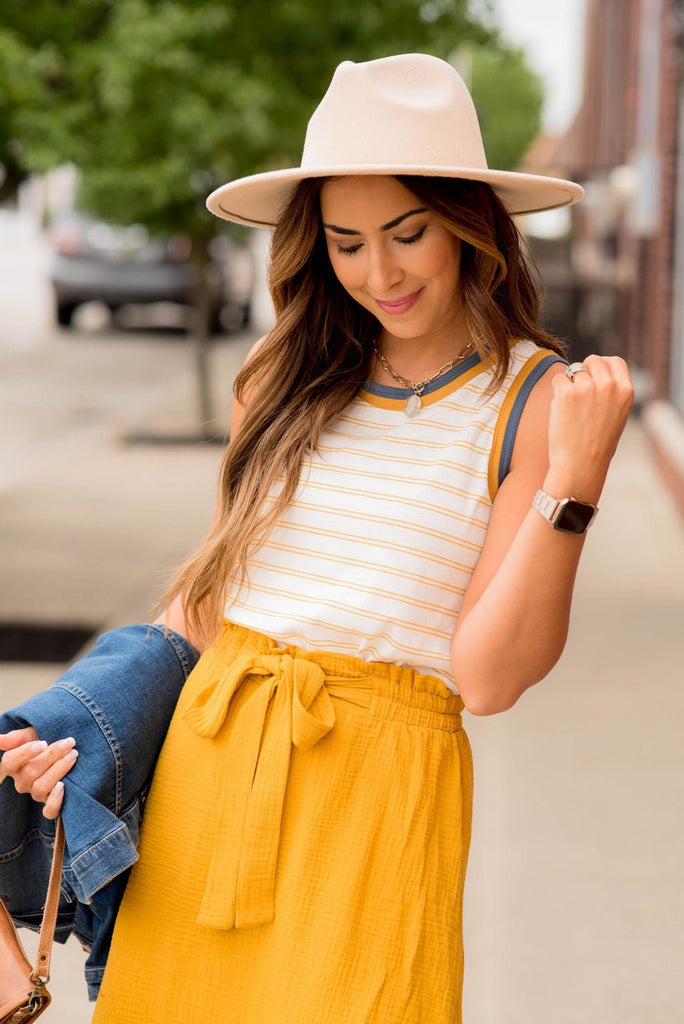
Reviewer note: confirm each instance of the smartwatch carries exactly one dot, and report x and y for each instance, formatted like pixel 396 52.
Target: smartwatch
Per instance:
pixel 569 515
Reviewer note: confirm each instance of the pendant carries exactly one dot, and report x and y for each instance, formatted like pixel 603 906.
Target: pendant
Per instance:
pixel 412 406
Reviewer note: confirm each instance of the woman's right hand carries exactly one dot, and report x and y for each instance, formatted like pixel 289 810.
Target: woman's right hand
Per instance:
pixel 36 767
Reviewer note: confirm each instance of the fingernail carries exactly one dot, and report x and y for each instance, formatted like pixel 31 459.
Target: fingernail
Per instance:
pixel 66 744
pixel 37 746
pixel 72 755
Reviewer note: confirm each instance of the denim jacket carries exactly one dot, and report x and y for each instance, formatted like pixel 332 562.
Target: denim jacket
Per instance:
pixel 117 703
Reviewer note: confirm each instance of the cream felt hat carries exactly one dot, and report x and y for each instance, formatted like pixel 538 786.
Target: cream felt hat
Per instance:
pixel 409 114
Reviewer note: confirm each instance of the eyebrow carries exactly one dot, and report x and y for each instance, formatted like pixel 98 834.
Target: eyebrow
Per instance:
pixel 385 227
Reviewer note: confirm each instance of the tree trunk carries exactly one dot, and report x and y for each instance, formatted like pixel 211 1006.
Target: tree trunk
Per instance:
pixel 201 335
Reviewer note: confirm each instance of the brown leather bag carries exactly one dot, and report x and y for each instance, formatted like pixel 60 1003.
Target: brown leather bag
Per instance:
pixel 23 995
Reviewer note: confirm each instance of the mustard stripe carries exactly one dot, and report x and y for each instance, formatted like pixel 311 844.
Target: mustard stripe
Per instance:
pixel 330 627
pixel 326 557
pixel 448 489
pixel 365 588
pixel 421 655
pixel 401 524
pixel 350 610
pixel 445 488
pixel 375 544
pixel 476 474
pixel 434 424
pixel 401 443
pixel 386 455
pixel 502 419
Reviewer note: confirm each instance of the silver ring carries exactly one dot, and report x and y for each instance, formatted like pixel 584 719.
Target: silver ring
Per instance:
pixel 574 368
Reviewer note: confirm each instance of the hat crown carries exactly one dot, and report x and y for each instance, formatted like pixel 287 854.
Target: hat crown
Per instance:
pixel 411 109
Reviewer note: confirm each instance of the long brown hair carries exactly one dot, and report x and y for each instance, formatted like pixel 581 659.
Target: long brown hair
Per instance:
pixel 317 356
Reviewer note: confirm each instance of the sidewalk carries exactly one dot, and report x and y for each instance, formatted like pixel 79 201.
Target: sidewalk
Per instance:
pixel 574 902
pixel 574 905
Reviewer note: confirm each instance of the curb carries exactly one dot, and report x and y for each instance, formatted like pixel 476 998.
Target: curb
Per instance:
pixel 664 428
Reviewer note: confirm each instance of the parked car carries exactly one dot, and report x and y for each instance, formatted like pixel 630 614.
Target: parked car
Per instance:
pixel 120 266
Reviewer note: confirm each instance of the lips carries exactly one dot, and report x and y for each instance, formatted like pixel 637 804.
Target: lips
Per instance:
pixel 400 306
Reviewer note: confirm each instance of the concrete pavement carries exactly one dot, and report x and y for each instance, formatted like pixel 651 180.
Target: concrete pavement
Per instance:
pixel 574 904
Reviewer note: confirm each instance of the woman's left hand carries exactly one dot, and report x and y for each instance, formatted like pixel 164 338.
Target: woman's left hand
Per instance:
pixel 37 768
pixel 587 417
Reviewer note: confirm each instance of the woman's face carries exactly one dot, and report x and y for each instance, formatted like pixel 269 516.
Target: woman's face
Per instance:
pixel 395 258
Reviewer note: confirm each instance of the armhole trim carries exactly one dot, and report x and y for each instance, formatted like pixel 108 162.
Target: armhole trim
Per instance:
pixel 509 415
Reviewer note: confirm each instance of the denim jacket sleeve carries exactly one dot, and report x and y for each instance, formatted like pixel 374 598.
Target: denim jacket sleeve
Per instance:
pixel 117 701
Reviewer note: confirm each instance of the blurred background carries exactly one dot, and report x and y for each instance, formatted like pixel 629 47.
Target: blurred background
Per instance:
pixel 126 311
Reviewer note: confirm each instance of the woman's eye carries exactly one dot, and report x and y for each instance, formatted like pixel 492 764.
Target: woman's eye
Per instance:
pixel 413 238
pixel 348 250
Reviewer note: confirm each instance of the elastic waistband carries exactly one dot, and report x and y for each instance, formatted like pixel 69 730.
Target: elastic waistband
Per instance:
pixel 398 684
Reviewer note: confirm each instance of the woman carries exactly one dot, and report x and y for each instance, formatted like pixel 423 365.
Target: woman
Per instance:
pixel 401 513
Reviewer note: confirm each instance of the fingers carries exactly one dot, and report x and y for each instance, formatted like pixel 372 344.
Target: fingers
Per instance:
pixel 43 773
pixel 603 370
pixel 16 758
pixel 588 415
pixel 38 769
pixel 607 377
pixel 53 804
pixel 10 740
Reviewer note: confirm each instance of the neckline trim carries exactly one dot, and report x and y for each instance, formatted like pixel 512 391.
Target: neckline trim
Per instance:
pixel 389 396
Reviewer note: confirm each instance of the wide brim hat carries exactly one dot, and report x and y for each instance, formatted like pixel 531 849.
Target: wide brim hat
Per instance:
pixel 411 115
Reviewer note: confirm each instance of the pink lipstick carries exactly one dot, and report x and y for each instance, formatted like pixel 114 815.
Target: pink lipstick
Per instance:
pixel 400 306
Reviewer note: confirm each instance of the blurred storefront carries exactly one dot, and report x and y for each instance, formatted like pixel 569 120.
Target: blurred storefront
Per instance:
pixel 624 261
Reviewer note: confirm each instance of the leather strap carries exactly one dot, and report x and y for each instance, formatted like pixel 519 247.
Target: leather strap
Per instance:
pixel 41 971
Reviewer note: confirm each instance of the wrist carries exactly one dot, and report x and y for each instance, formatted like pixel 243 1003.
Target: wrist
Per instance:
pixel 584 484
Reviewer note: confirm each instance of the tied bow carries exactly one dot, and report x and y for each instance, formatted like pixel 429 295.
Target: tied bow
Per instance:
pixel 290 706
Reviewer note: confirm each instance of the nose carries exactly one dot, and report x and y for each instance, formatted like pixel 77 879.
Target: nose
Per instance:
pixel 383 271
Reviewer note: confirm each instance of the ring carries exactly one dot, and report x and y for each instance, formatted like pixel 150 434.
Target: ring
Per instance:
pixel 574 368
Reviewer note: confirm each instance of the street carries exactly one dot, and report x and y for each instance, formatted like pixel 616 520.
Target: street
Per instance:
pixel 574 902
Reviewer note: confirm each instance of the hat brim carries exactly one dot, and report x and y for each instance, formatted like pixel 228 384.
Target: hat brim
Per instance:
pixel 259 199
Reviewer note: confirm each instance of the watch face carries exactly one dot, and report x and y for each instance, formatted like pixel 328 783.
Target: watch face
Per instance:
pixel 574 516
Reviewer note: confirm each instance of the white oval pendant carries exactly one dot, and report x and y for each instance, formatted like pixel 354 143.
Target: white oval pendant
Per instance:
pixel 412 406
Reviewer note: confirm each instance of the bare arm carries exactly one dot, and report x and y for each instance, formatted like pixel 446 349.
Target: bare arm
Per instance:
pixel 515 613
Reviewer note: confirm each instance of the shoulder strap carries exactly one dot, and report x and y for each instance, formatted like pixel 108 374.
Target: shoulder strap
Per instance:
pixel 509 415
pixel 41 970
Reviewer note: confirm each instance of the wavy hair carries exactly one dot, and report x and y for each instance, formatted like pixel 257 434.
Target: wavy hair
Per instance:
pixel 319 353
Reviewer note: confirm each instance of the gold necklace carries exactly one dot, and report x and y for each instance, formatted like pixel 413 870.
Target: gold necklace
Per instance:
pixel 413 403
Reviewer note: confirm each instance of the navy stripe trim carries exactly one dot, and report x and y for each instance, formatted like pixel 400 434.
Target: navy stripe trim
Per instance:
pixel 387 391
pixel 516 412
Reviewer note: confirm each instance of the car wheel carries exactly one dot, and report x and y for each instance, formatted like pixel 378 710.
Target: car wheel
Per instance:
pixel 65 313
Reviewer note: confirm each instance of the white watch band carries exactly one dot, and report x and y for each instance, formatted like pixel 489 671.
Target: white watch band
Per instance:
pixel 547 505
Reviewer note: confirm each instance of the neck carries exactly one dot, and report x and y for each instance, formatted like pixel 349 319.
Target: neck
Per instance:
pixel 415 363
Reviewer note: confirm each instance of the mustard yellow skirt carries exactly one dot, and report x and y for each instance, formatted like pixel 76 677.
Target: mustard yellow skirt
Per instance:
pixel 303 851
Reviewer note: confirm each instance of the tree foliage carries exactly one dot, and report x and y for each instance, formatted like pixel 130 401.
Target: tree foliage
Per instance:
pixel 509 98
pixel 159 101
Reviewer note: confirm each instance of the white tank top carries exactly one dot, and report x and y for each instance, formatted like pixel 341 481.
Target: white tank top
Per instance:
pixel 374 553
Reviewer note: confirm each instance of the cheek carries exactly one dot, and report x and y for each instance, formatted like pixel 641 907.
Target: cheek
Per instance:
pixel 443 260
pixel 347 270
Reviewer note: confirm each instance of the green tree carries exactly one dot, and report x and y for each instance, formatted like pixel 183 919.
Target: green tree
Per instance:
pixel 159 101
pixel 509 98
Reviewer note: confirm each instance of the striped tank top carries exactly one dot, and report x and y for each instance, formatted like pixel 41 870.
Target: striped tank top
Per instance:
pixel 374 553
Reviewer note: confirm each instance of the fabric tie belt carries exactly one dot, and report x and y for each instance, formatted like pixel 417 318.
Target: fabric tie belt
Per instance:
pixel 290 705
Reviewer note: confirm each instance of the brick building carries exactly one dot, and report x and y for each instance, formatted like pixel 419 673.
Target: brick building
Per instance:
pixel 626 145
